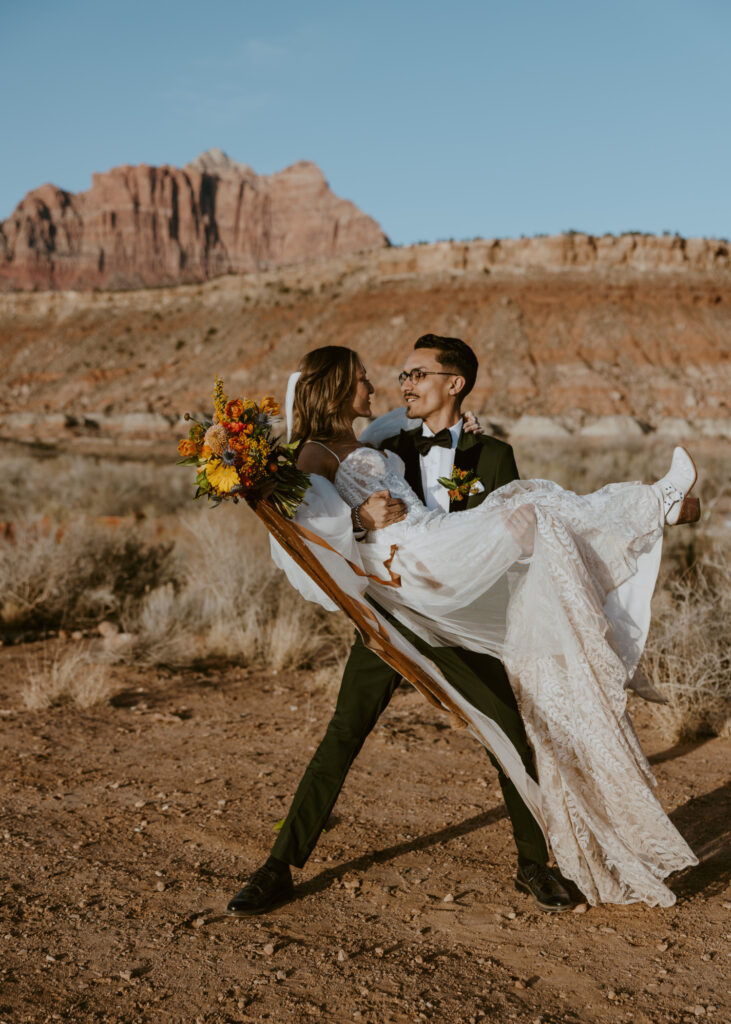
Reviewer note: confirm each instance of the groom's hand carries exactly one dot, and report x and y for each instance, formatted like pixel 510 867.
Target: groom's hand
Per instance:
pixel 522 525
pixel 472 424
pixel 380 510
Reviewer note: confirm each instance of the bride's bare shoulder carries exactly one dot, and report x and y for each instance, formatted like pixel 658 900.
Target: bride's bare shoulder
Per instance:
pixel 316 458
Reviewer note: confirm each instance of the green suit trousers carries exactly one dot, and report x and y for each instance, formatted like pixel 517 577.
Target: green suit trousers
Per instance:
pixel 367 686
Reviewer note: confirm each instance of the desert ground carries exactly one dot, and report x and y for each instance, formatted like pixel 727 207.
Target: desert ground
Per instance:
pixel 160 694
pixel 127 827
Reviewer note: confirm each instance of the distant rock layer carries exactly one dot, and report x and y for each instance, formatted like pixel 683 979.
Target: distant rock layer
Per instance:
pixel 150 226
pixel 559 349
pixel 572 250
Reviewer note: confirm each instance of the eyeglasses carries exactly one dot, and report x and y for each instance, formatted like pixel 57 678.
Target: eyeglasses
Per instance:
pixel 416 375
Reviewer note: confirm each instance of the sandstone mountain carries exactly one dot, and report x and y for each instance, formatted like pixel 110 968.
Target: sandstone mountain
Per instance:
pixel 150 226
pixel 576 337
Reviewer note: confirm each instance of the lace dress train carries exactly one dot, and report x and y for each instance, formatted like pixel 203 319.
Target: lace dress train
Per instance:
pixel 569 623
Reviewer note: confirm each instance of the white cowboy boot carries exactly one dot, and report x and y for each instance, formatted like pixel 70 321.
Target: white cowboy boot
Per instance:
pixel 675 487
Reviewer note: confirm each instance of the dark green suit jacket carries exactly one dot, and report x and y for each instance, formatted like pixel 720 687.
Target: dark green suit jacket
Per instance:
pixel 491 460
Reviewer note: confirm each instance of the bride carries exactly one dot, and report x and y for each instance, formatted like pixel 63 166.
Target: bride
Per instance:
pixel 555 584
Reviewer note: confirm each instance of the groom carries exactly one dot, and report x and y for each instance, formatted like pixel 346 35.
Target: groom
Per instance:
pixel 437 377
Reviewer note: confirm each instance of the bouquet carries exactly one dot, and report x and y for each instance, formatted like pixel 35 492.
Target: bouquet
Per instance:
pixel 237 454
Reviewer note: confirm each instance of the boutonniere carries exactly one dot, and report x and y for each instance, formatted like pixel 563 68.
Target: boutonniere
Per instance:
pixel 461 484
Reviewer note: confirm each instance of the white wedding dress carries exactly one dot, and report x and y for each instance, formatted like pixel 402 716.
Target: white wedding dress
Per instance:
pixel 569 622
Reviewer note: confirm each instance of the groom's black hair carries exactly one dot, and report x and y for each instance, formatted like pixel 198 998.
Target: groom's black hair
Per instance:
pixel 454 353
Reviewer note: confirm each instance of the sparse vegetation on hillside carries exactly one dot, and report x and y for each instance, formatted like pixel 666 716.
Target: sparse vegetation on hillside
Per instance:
pixel 61 486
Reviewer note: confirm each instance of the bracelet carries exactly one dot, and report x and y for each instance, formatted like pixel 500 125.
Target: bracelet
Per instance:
pixel 356 517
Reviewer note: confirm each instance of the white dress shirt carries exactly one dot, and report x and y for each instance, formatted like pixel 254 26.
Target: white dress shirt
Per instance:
pixel 438 462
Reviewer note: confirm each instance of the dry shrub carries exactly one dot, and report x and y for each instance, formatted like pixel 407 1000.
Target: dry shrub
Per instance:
pixel 73 575
pixel 72 677
pixel 230 603
pixel 688 657
pixel 158 630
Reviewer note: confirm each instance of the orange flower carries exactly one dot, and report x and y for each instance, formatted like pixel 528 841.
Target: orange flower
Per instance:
pixel 269 406
pixel 272 467
pixel 234 409
pixel 186 448
pixel 249 428
pixel 206 452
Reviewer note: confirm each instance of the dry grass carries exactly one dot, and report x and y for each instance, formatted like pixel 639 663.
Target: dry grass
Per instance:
pixel 75 574
pixel 688 655
pixel 71 677
pixel 212 592
pixel 229 603
pixel 60 486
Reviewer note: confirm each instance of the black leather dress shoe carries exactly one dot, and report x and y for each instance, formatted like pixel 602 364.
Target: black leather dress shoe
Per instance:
pixel 265 890
pixel 539 881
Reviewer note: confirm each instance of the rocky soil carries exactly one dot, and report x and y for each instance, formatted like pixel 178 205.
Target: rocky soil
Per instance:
pixel 125 830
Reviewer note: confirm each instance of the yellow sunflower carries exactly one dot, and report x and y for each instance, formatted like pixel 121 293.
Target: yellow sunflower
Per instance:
pixel 223 478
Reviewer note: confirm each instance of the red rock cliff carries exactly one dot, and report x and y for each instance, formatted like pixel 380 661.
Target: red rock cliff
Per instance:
pixel 145 226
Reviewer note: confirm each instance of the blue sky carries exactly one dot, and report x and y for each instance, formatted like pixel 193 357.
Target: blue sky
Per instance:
pixel 441 120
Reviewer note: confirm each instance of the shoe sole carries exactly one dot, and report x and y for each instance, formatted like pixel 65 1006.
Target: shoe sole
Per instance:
pixel 260 910
pixel 545 907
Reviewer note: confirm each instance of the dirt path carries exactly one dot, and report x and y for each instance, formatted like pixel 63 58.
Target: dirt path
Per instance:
pixel 126 829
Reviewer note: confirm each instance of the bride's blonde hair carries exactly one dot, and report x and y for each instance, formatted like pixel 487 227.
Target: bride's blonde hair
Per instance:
pixel 323 394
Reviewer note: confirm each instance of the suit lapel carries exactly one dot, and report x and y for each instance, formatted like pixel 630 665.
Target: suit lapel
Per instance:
pixel 412 467
pixel 467 456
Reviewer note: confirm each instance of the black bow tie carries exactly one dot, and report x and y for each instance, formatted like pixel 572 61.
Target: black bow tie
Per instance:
pixel 442 439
